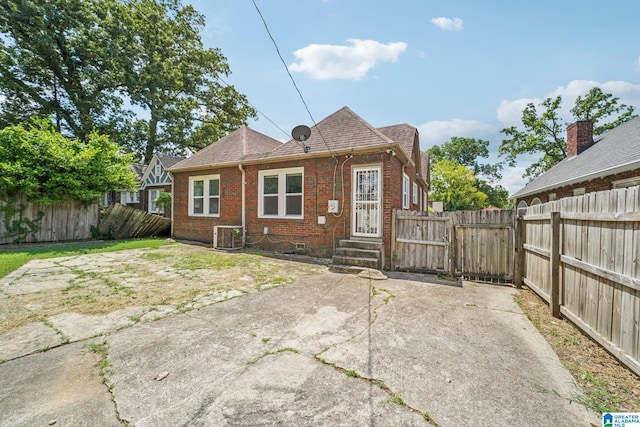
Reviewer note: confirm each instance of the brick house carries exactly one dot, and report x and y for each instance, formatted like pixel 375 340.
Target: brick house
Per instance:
pixel 337 187
pixel 608 161
pixel 154 182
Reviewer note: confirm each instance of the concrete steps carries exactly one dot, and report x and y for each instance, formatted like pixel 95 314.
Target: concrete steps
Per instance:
pixel 360 253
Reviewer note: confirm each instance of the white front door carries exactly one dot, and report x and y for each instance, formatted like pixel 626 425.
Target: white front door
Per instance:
pixel 366 184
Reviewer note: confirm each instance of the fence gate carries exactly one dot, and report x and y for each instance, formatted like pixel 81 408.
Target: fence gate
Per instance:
pixel 473 244
pixel 421 242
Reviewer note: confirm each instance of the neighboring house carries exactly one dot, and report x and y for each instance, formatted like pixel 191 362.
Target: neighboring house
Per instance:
pixel 155 181
pixel 342 183
pixel 608 161
pixel 126 197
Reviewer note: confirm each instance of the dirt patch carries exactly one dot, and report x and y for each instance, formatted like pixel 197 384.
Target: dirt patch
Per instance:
pixel 178 275
pixel 607 384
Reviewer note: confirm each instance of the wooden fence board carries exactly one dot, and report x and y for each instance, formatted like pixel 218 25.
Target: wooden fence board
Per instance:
pixel 599 268
pixel 59 222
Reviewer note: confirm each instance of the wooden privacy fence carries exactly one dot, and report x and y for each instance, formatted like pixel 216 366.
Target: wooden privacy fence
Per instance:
pixel 582 255
pixel 22 221
pixel 473 244
pixel 123 222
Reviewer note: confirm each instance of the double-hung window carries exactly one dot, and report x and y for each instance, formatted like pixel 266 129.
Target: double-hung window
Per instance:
pixel 204 195
pixel 405 191
pixel 153 195
pixel 415 193
pixel 281 193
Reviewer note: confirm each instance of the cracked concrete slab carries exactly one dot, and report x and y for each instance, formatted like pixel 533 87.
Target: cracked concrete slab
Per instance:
pixel 331 349
pixel 78 326
pixel 28 339
pixel 59 387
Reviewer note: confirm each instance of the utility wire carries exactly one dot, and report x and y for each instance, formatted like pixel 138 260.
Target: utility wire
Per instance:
pixel 264 22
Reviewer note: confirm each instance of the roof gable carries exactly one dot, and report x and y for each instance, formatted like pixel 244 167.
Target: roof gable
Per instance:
pixel 342 130
pixel 233 148
pixel 612 152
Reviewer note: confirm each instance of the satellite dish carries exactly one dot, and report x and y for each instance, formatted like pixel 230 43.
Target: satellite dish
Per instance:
pixel 301 133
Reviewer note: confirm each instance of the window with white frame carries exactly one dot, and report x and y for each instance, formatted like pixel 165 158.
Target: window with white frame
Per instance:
pixel 157 170
pixel 204 195
pixel 424 201
pixel 578 191
pixel 127 197
pixel 552 197
pixel 405 191
pixel 281 193
pixel 624 183
pixel 153 195
pixel 415 193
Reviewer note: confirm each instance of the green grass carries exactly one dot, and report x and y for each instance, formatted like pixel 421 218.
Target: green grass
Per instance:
pixel 12 259
pixel 213 260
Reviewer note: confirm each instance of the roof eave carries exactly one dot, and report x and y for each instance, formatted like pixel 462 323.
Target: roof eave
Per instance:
pixel 602 173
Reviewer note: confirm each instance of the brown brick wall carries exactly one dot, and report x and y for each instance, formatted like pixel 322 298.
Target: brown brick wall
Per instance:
pixel 319 239
pixel 599 184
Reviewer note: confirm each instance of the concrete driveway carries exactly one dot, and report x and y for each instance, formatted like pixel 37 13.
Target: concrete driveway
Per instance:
pixel 329 350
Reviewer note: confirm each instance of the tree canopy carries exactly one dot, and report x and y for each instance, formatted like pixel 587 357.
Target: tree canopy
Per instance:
pixel 542 132
pixel 455 186
pixel 468 152
pixel 47 167
pixel 135 70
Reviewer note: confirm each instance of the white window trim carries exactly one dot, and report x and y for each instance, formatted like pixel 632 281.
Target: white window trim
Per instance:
pixel 405 191
pixel 552 197
pixel 424 201
pixel 536 201
pixel 282 173
pixel 152 206
pixel 624 183
pixel 415 193
pixel 578 191
pixel 205 194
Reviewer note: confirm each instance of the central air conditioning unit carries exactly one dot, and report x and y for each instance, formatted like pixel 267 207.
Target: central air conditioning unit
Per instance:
pixel 228 237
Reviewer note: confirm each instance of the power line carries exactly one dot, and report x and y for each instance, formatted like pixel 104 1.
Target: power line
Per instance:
pixel 264 22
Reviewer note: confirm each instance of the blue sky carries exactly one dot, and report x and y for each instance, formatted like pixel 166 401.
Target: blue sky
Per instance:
pixel 450 68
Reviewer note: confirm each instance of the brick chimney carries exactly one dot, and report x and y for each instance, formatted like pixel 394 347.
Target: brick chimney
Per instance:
pixel 579 137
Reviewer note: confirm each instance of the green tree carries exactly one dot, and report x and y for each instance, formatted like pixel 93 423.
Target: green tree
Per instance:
pixel 175 79
pixel 468 152
pixel 80 62
pixel 61 59
pixel 543 131
pixel 455 186
pixel 48 167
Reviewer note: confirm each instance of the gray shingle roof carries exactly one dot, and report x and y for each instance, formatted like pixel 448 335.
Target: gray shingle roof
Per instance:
pixel 168 161
pixel 233 148
pixel 614 151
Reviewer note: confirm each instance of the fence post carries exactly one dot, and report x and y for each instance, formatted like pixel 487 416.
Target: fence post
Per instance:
pixel 452 247
pixel 519 249
pixel 393 254
pixel 555 264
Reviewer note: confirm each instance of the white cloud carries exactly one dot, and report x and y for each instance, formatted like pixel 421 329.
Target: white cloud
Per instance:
pixel 448 24
pixel 326 62
pixel 510 112
pixel 438 132
pixel 512 179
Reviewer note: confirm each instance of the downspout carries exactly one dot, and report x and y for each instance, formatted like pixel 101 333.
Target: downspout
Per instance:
pixel 172 203
pixel 244 183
